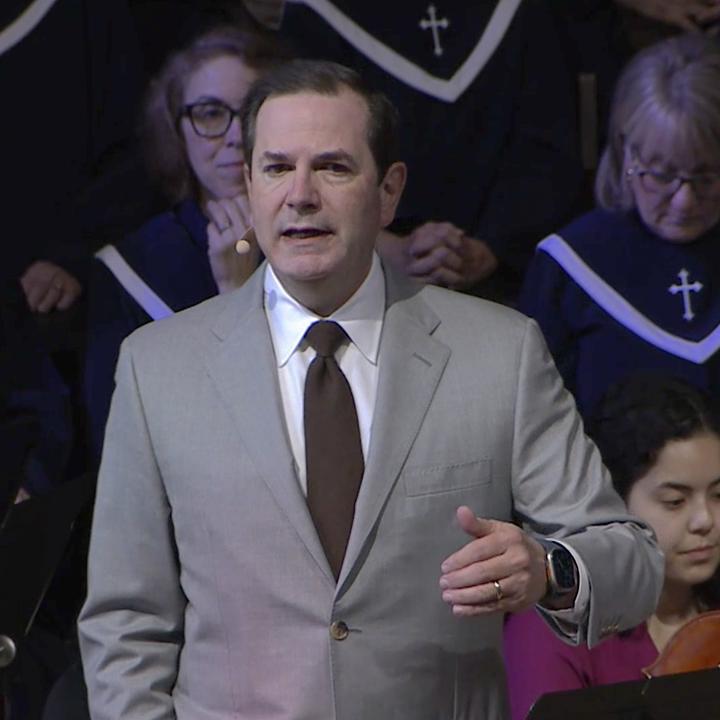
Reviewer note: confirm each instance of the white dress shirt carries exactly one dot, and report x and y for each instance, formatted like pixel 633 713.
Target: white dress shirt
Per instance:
pixel 362 319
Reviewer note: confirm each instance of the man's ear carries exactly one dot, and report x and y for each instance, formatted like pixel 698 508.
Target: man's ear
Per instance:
pixel 391 188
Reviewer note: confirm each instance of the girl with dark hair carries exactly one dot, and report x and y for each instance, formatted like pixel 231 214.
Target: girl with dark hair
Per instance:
pixel 660 439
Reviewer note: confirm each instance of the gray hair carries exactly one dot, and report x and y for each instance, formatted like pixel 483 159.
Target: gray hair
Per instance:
pixel 163 143
pixel 675 81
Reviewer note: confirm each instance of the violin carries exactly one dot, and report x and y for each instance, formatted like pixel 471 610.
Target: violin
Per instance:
pixel 695 646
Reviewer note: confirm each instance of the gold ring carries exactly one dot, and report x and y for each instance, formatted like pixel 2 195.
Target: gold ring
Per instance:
pixel 498 591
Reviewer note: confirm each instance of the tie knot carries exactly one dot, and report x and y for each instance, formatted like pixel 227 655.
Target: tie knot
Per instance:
pixel 325 337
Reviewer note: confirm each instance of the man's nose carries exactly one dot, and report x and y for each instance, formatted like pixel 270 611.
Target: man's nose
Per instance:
pixel 302 193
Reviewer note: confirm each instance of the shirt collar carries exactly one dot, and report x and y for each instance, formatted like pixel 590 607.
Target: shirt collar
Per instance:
pixel 361 316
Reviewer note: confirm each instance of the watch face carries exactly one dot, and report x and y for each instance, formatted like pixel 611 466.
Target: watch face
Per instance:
pixel 563 568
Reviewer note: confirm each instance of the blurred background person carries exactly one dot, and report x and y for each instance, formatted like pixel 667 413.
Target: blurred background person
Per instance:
pixel 634 284
pixel 188 253
pixel 660 439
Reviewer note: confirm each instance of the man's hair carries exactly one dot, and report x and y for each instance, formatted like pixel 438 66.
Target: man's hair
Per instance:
pixel 324 78
pixel 674 83
pixel 163 143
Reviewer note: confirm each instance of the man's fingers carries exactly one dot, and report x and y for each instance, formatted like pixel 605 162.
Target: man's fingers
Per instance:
pixel 472 524
pixel 483 570
pixel 486 593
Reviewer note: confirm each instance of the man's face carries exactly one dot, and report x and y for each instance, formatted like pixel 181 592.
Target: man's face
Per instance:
pixel 317 202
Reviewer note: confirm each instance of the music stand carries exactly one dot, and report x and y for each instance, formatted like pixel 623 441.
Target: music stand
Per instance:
pixel 687 695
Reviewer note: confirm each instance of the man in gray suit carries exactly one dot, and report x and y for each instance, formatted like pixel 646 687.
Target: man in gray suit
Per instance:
pixel 213 590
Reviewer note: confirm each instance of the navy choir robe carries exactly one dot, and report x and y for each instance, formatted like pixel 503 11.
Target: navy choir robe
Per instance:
pixel 487 108
pixel 612 298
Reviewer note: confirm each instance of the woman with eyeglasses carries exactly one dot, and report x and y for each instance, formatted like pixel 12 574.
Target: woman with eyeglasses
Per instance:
pixel 198 248
pixel 660 439
pixel 635 284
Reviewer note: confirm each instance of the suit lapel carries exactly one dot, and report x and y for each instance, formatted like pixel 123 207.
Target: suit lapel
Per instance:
pixel 411 365
pixel 242 365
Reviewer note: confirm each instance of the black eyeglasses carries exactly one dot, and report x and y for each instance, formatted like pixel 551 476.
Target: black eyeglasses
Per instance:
pixel 666 184
pixel 209 118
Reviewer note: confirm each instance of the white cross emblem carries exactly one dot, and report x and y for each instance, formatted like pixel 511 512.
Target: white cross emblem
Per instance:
pixel 686 288
pixel 434 23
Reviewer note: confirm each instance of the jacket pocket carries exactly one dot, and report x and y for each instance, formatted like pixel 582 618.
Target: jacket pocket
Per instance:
pixel 441 478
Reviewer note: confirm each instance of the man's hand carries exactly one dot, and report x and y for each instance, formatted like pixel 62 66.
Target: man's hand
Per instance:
pixel 689 15
pixel 501 569
pixel 231 264
pixel 47 286
pixel 439 254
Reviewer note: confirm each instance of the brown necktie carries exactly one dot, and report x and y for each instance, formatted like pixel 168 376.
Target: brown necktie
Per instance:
pixel 333 450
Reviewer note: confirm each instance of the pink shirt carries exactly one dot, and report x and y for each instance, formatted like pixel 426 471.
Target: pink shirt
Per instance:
pixel 538 662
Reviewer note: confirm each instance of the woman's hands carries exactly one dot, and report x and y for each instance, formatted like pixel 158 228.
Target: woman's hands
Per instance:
pixel 686 14
pixel 233 258
pixel 47 286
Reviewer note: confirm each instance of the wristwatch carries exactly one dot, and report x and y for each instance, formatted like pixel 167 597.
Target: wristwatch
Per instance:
pixel 560 570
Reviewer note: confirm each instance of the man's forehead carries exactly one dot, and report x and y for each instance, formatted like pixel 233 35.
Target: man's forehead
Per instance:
pixel 321 111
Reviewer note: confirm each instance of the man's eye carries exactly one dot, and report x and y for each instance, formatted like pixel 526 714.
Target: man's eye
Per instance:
pixel 275 169
pixel 336 168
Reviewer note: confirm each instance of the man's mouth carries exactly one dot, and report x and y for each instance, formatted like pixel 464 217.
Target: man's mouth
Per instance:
pixel 304 233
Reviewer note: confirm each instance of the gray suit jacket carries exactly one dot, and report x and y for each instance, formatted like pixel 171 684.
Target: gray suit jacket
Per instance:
pixel 210 597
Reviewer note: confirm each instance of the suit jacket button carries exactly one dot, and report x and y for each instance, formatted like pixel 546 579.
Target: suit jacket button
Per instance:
pixel 339 630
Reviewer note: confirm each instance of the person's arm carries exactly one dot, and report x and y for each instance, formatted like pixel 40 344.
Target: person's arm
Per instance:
pixel 561 489
pixel 537 662
pixel 543 297
pixel 131 626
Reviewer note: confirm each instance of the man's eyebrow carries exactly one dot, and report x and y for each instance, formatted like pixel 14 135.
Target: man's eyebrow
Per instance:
pixel 275 156
pixel 336 156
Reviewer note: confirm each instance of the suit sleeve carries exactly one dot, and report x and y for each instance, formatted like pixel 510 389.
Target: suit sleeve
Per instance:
pixel 543 297
pixel 131 625
pixel 561 489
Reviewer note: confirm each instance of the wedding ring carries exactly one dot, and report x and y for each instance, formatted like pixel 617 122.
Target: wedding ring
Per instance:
pixel 498 591
pixel 223 228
